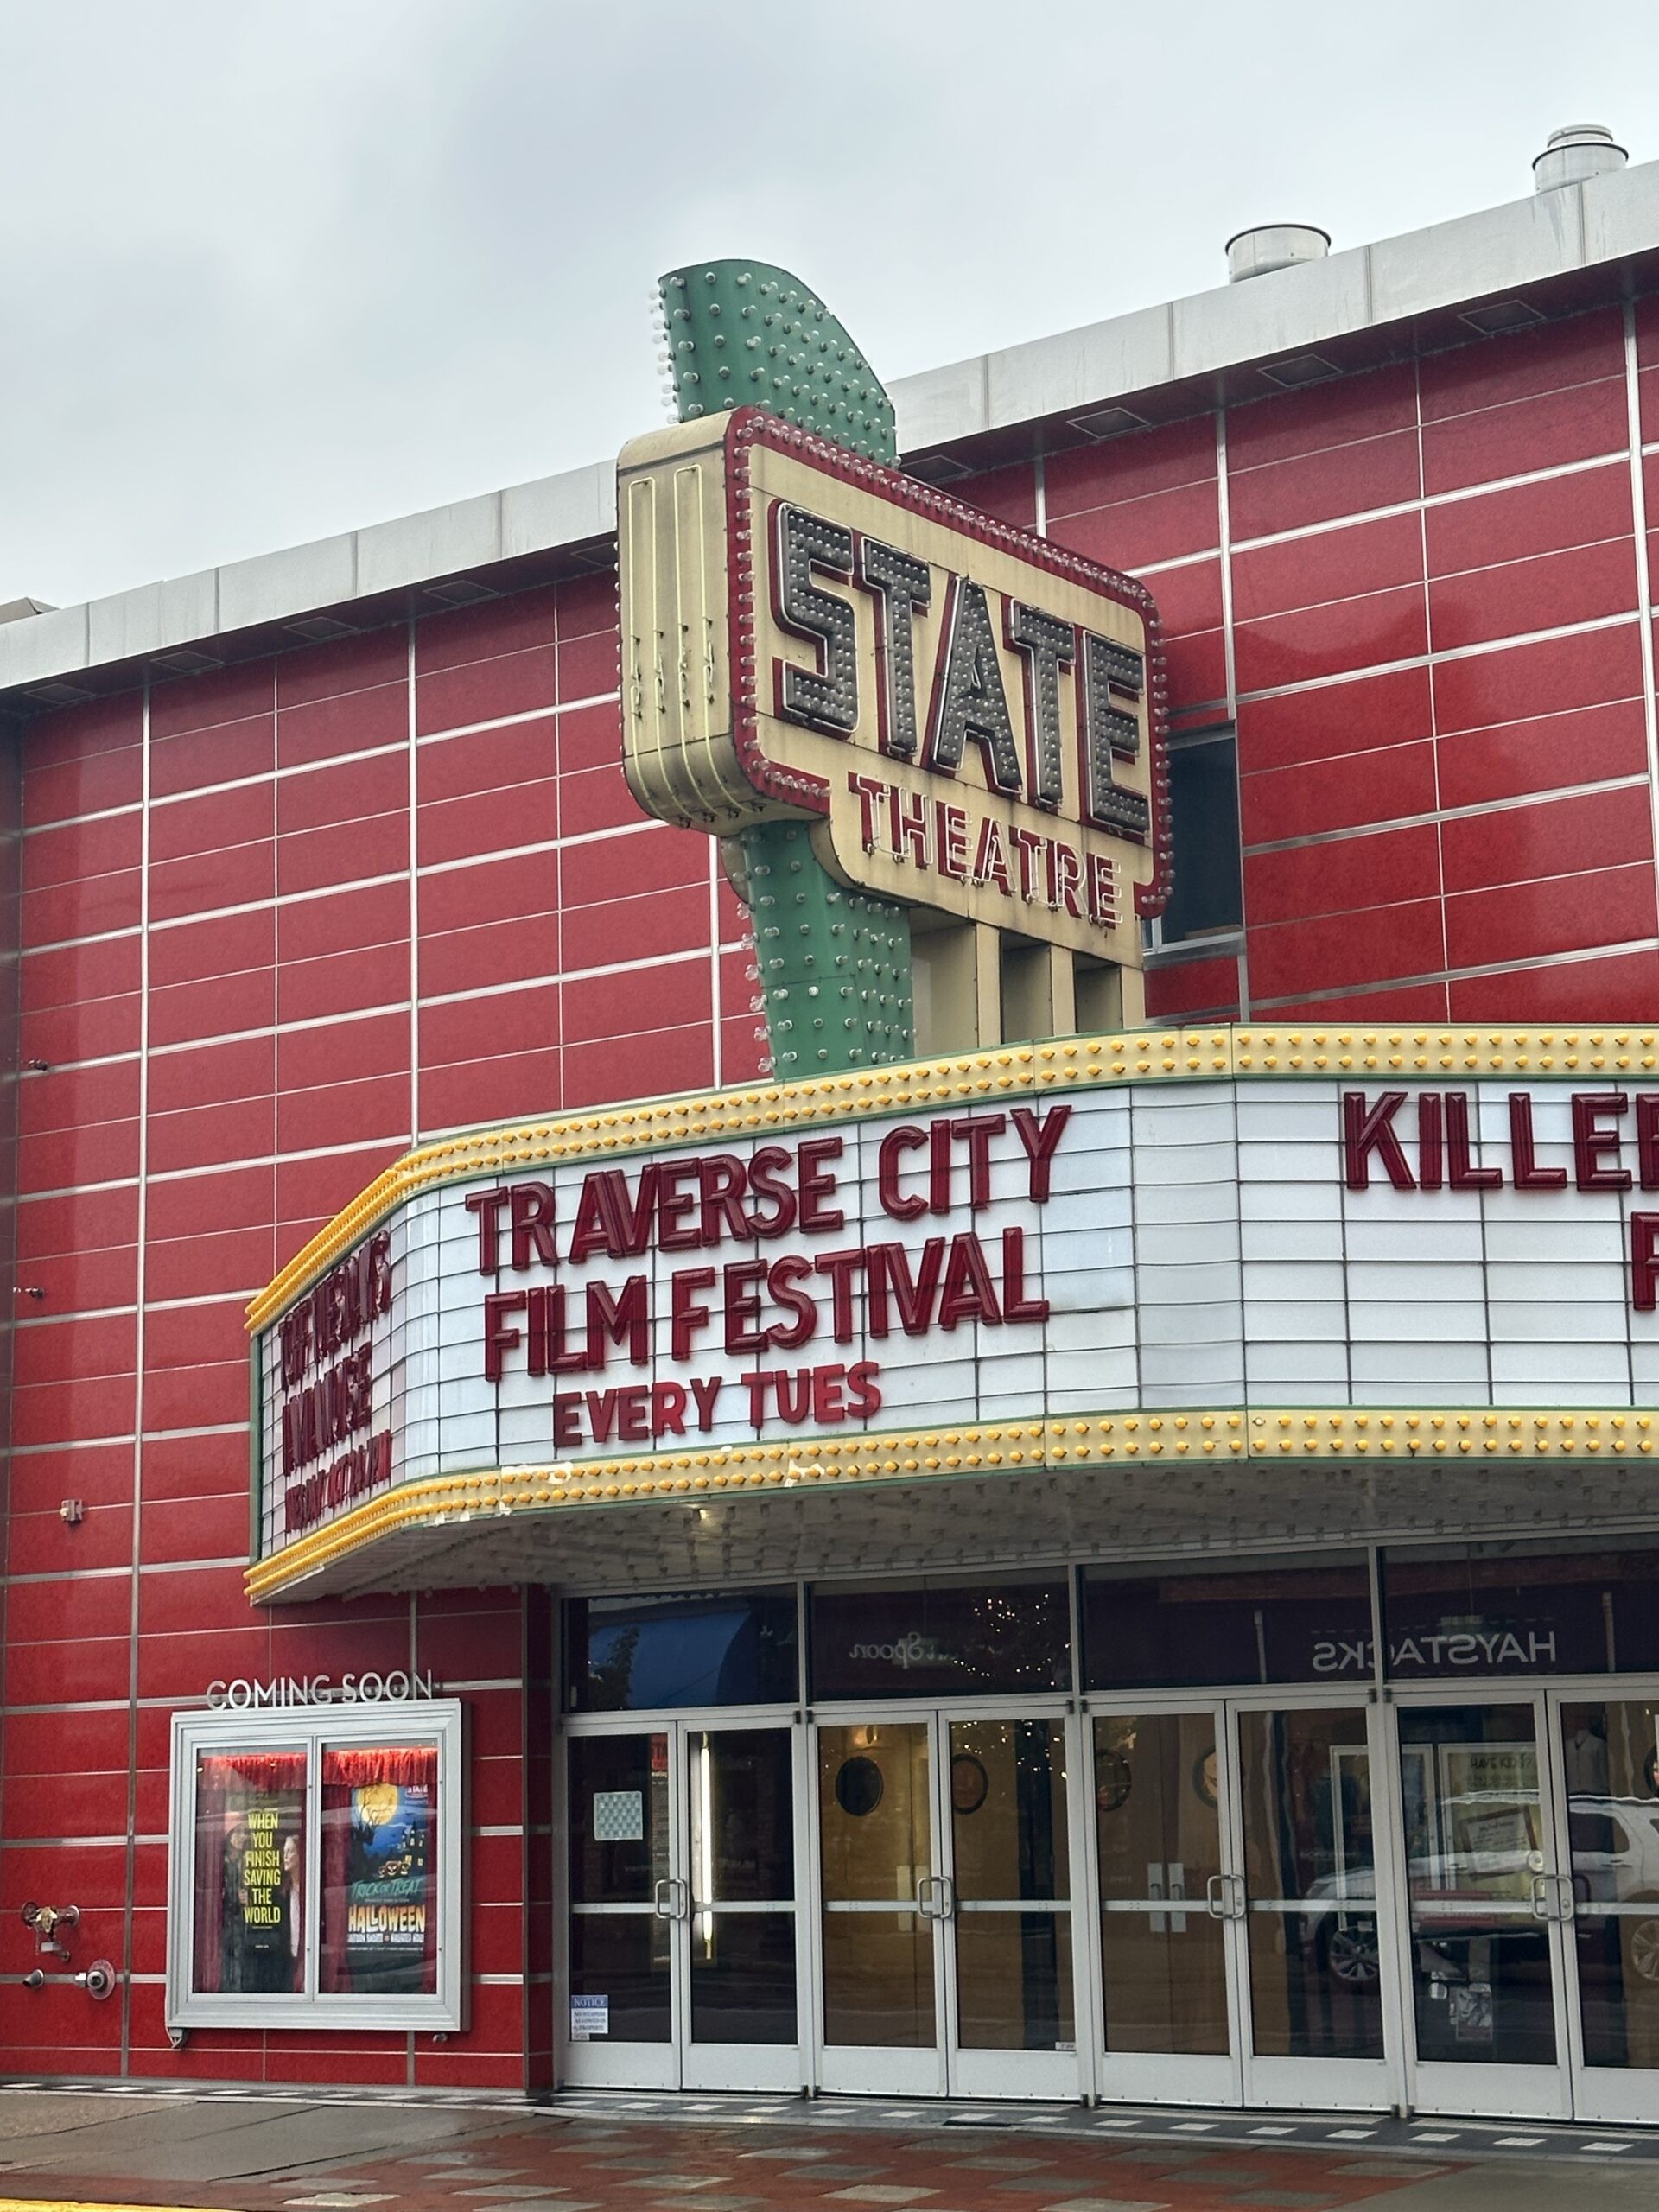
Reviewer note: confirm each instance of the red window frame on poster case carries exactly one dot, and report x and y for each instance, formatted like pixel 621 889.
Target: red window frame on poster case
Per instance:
pixel 315 1868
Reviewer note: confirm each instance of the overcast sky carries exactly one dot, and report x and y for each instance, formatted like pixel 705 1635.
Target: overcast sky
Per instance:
pixel 269 269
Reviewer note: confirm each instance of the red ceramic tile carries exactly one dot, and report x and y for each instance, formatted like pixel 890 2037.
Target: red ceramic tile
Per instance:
pixel 345 921
pixel 1546 592
pixel 1292 957
pixel 485 690
pixel 75 1222
pixel 1339 564
pixel 64 975
pixel 1130 468
pixel 1580 509
pixel 1188 598
pixel 1525 435
pixel 317 1189
pixel 479 1029
pixel 341 982
pixel 182 1666
pixel 344 665
pixel 186 1470
pixel 596 798
pixel 345 792
pixel 196 1335
pixel 212 1074
pixel 499 821
pixel 217 1008
pixel 235 1263
pixel 1340 794
pixel 1329 640
pixel 107 1153
pixel 350 852
pixel 1548 676
pixel 71 850
pixel 224 694
pixel 200 1206
pixel 58 793
pixel 234 877
pixel 1347 479
pixel 1131 533
pixel 744 1054
pixel 344 1113
pixel 67 1804
pixel 589 666
pixel 491 760
pixel 51 1350
pixel 1514 364
pixel 1338 413
pixel 1186 986
pixel 196 1397
pixel 493 891
pixel 207 1136
pixel 495 952
pixel 90 907
pixel 223 946
pixel 649 1066
pixel 181 1601
pixel 659 997
pixel 81 1281
pixel 338 1051
pixel 651 858
pixel 75 1673
pixel 321 729
pixel 52 1744
pixel 1614 906
pixel 1010 494
pixel 1332 878
pixel 77 1098
pixel 585 604
pixel 44 1543
pixel 1590 745
pixel 80 1032
pixel 662 922
pixel 203 825
pixel 1404 1002
pixel 225 754
pixel 99 1474
pixel 1623 988
pixel 1196 670
pixel 1553 837
pixel 589 737
pixel 516 622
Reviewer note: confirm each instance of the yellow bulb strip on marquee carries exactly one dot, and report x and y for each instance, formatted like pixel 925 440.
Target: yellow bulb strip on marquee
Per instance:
pixel 1181 1055
pixel 1260 1435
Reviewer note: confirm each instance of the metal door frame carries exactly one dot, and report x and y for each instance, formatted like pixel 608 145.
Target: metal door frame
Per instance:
pixel 680 2063
pixel 1470 2088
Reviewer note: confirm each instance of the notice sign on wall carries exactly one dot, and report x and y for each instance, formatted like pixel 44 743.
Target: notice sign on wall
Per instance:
pixel 975 717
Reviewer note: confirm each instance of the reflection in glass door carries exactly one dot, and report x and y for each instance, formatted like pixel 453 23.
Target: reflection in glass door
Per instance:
pixel 683 1937
pixel 1486 1906
pixel 1608 1750
pixel 625 2010
pixel 1166 1896
pixel 882 1898
pixel 1010 1890
pixel 1313 1970
pixel 1239 1959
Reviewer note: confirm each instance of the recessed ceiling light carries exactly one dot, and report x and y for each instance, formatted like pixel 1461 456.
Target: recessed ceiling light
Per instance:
pixel 1300 369
pixel 937 468
pixel 1108 422
pixel 1501 315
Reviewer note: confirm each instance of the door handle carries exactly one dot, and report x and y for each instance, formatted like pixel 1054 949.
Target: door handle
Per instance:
pixel 1566 1897
pixel 669 1899
pixel 1215 1897
pixel 947 1897
pixel 924 1895
pixel 1541 1904
pixel 936 1896
pixel 1237 1903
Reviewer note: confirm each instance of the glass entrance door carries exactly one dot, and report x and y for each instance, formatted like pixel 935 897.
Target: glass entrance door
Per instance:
pixel 1487 1906
pixel 1234 1863
pixel 1607 1760
pixel 946 1879
pixel 684 1965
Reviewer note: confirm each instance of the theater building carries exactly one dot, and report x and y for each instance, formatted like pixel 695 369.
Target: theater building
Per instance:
pixel 836 1253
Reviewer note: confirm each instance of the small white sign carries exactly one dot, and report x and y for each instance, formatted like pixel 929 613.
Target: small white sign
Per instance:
pixel 590 2017
pixel 618 1816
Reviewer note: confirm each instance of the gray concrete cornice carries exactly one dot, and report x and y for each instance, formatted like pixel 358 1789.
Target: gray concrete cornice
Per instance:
pixel 1607 219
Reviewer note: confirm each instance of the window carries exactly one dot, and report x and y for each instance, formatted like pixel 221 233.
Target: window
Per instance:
pixel 1228 1622
pixel 642 1654
pixel 940 1638
pixel 316 1869
pixel 1206 900
pixel 1498 1609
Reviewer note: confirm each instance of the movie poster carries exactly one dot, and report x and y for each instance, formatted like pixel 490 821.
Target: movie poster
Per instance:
pixel 387 1888
pixel 250 1877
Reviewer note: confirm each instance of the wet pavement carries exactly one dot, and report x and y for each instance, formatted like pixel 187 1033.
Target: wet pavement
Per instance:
pixel 260 2150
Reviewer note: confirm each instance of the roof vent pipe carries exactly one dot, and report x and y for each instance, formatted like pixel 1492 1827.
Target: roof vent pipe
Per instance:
pixel 1578 150
pixel 1274 245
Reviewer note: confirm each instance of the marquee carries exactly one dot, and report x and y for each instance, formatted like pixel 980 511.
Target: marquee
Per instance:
pixel 1245 1239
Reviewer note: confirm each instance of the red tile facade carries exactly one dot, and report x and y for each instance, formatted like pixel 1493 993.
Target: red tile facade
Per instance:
pixel 395 885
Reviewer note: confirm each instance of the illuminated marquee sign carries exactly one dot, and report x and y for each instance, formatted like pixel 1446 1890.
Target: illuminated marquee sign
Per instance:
pixel 974 716
pixel 1088 1249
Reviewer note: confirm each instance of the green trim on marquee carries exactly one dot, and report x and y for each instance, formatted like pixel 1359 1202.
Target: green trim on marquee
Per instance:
pixel 835 964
